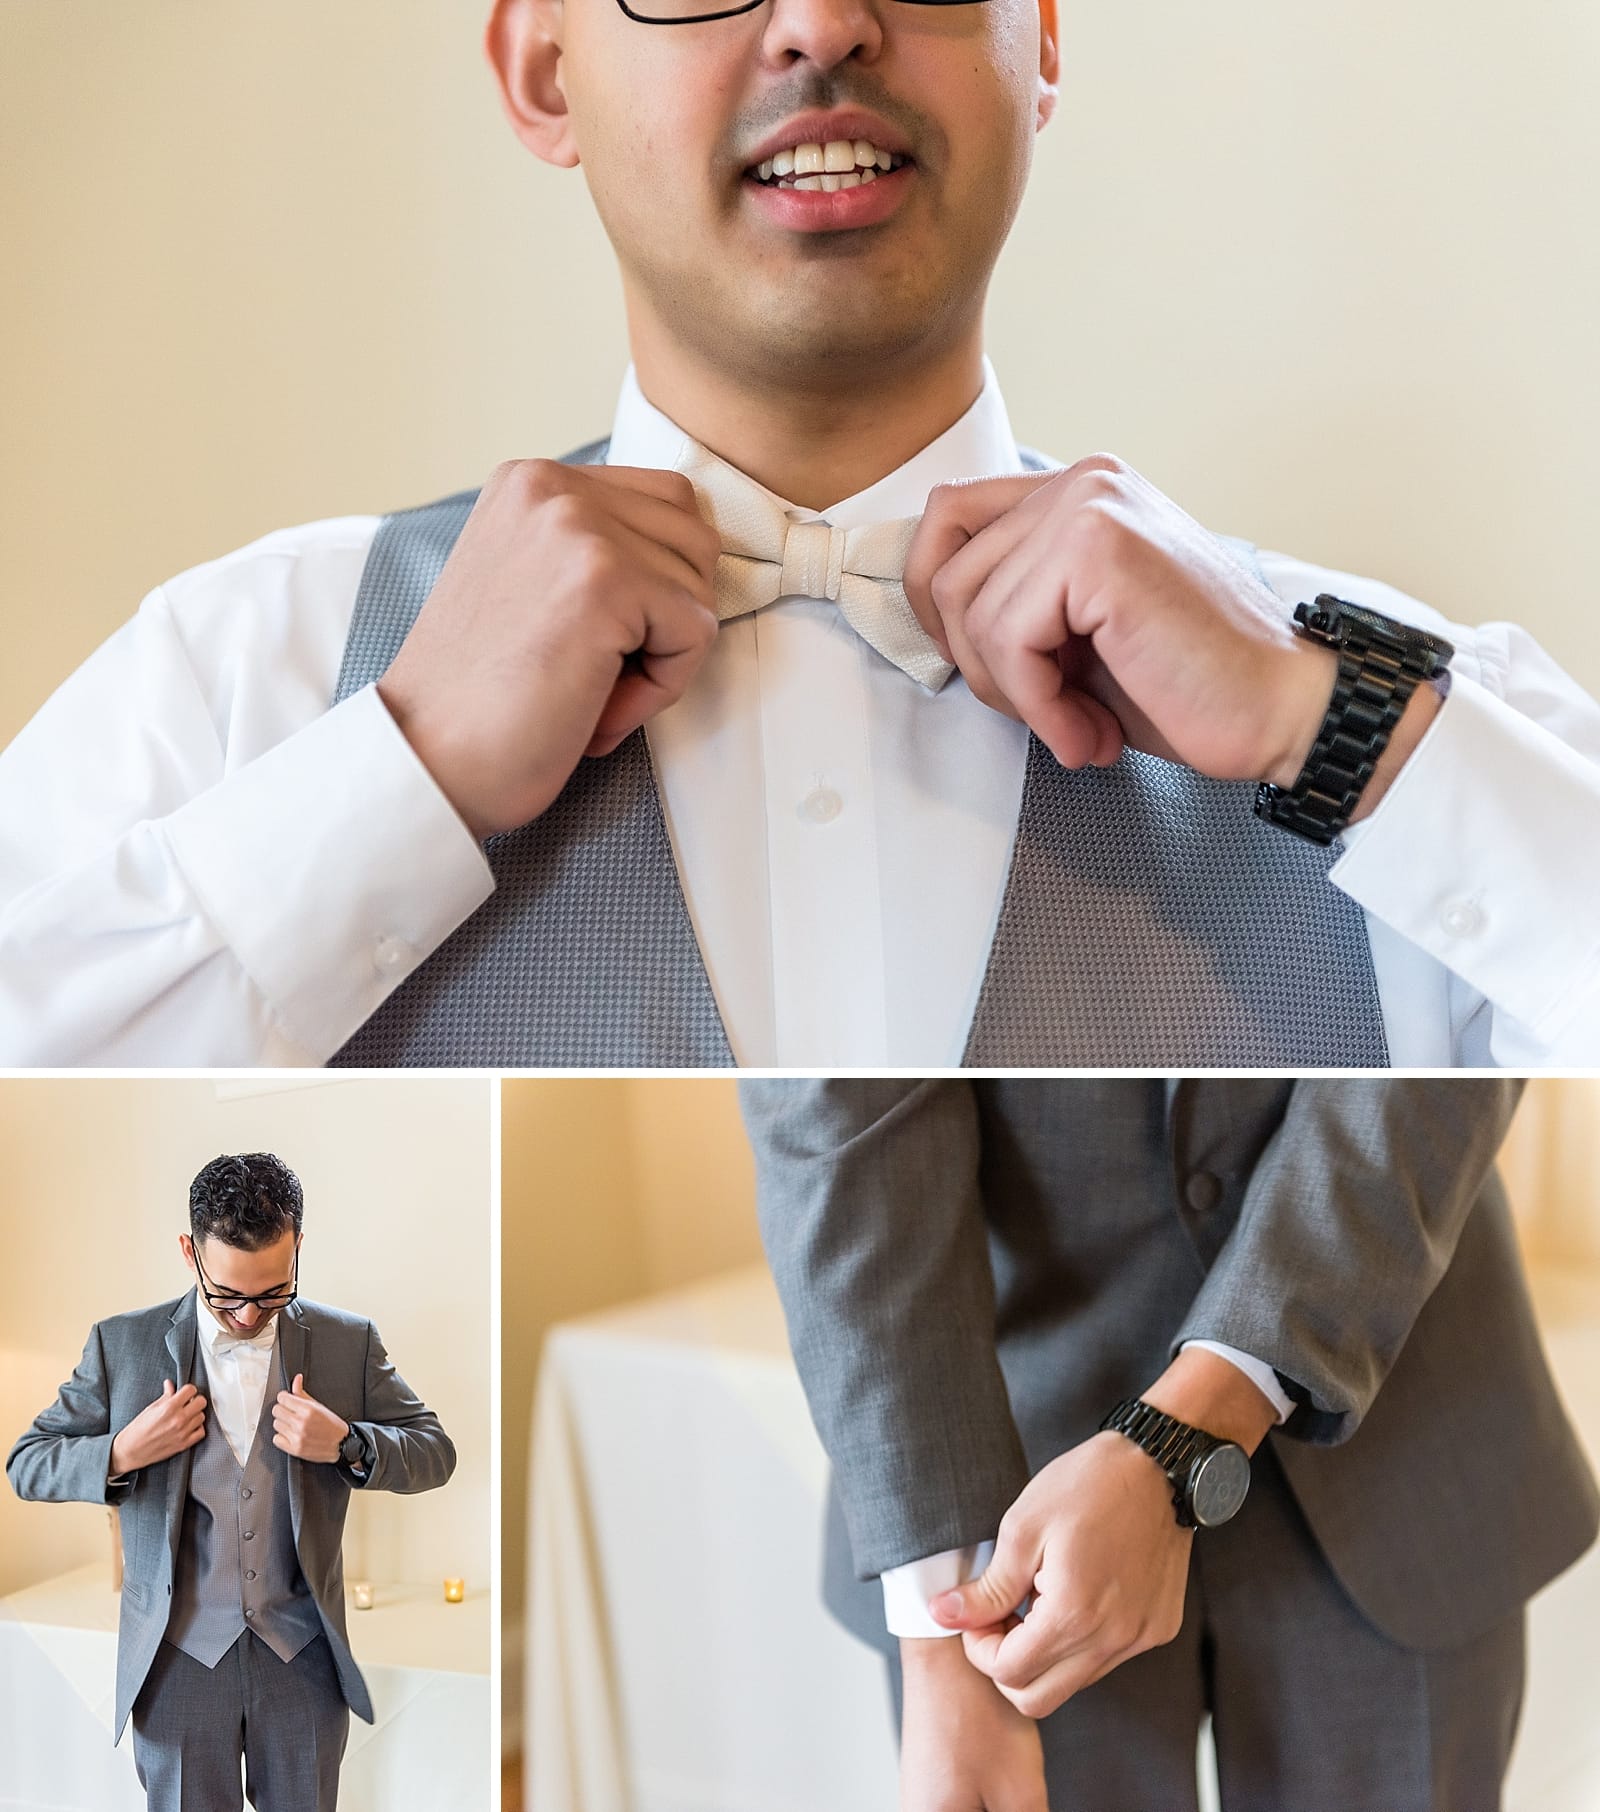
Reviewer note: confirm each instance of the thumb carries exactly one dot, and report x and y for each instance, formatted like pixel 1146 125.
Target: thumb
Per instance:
pixel 992 1596
pixel 168 1388
pixel 300 1385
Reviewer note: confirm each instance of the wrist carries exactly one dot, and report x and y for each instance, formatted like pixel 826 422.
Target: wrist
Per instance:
pixel 434 751
pixel 121 1460
pixel 1415 722
pixel 932 1657
pixel 1207 1392
pixel 1309 675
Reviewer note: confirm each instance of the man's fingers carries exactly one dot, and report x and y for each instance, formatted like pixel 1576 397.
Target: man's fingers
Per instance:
pixel 1077 729
pixel 995 1594
pixel 952 516
pixel 1051 1689
pixel 182 1396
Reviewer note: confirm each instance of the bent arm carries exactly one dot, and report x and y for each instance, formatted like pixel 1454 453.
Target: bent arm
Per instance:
pixel 206 866
pixel 409 1447
pixel 874 1229
pixel 64 1457
pixel 1350 1219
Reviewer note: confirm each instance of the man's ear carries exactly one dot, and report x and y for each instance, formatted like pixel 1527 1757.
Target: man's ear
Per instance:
pixel 1049 61
pixel 186 1247
pixel 523 44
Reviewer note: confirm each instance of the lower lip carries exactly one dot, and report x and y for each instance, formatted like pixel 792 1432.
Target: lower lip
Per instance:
pixel 818 211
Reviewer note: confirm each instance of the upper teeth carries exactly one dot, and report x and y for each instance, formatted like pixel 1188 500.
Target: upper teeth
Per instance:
pixel 847 161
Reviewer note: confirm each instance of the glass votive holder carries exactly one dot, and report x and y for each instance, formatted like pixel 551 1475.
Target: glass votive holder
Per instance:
pixel 361 1594
pixel 455 1591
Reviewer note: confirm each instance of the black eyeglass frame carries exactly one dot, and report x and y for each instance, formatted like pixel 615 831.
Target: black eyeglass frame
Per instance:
pixel 268 1299
pixel 733 12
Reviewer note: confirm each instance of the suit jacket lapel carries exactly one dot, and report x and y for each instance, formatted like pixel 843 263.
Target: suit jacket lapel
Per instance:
pixel 182 1332
pixel 294 1343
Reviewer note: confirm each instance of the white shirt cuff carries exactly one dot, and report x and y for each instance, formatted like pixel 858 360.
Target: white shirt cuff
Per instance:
pixel 342 813
pixel 1260 1374
pixel 907 1589
pixel 1483 853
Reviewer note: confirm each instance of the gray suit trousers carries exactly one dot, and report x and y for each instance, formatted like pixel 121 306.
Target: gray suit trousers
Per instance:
pixel 1313 1708
pixel 285 1721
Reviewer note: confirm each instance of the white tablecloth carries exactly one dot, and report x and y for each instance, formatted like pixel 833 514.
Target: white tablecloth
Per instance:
pixel 680 1659
pixel 426 1662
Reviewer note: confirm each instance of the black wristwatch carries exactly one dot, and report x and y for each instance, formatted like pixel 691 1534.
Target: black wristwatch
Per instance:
pixel 353 1451
pixel 1381 663
pixel 1209 1476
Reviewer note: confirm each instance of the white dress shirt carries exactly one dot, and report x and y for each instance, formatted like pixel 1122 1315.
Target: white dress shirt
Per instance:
pixel 201 863
pixel 237 1373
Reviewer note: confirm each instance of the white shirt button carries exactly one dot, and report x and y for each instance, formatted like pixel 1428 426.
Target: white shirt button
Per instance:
pixel 1461 918
pixel 391 954
pixel 820 806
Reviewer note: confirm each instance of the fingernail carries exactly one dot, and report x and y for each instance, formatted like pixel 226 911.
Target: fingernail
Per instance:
pixel 947 1604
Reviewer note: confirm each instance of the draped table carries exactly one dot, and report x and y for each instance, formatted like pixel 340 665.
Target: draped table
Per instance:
pixel 679 1656
pixel 426 1662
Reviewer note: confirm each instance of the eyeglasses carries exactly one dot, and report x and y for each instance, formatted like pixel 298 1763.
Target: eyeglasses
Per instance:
pixel 230 1302
pixel 681 12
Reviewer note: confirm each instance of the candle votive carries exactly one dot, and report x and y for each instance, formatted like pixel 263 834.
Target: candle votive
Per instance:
pixel 361 1593
pixel 455 1591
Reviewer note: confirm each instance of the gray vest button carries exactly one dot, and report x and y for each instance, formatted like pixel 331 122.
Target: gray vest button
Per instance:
pixel 1202 1192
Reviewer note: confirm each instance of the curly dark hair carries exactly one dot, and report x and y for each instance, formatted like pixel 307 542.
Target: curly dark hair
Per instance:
pixel 246 1201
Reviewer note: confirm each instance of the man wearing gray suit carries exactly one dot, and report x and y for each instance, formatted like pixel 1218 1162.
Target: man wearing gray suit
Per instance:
pixel 1239 1380
pixel 229 1428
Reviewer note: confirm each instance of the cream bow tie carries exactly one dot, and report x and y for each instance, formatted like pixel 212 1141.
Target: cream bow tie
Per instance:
pixel 766 556
pixel 228 1343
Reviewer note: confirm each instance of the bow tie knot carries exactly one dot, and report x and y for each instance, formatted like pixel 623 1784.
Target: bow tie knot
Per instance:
pixel 813 561
pixel 765 556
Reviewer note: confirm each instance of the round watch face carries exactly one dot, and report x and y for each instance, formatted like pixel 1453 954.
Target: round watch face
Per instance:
pixel 1218 1484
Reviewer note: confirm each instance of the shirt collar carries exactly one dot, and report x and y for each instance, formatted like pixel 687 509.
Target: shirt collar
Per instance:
pixel 219 1340
pixel 979 445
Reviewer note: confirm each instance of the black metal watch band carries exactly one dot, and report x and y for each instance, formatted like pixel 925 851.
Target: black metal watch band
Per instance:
pixel 1381 663
pixel 1173 1445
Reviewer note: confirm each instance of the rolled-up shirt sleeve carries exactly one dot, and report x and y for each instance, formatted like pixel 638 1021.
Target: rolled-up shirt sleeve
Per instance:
pixel 200 862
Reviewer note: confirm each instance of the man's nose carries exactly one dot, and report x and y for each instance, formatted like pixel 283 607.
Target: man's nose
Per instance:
pixel 824 32
pixel 249 1314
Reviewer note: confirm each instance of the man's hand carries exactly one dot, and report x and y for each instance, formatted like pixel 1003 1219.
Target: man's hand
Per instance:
pixel 1093 1537
pixel 177 1419
pixel 576 604
pixel 306 1428
pixel 962 1747
pixel 1086 603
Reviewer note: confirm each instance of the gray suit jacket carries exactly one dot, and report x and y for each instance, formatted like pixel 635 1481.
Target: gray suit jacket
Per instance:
pixel 65 1457
pixel 961 1311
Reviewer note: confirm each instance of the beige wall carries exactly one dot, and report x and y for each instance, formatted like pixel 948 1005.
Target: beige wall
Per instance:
pixel 396 1177
pixel 1321 271
pixel 1551 1164
pixel 610 1189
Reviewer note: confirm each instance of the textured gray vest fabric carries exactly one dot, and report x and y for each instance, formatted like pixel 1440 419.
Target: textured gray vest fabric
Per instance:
pixel 236 1547
pixel 1149 918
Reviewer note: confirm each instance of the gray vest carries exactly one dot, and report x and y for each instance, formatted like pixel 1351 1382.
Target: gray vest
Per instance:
pixel 1149 918
pixel 236 1567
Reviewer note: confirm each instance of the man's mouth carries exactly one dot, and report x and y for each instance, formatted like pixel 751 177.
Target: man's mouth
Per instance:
pixel 841 163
